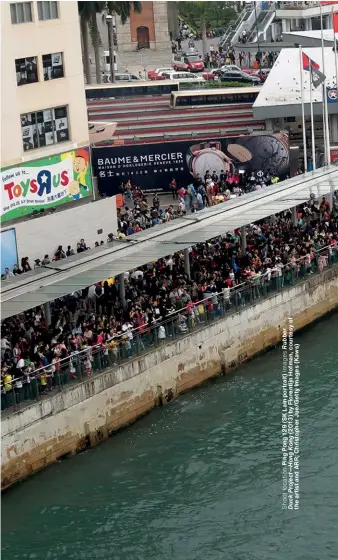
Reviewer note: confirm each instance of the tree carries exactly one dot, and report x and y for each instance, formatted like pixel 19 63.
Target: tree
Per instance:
pixel 123 9
pixel 88 18
pixel 202 16
pixel 85 47
pixel 88 13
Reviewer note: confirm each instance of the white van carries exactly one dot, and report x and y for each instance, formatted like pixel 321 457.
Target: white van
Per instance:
pixel 183 77
pixel 106 62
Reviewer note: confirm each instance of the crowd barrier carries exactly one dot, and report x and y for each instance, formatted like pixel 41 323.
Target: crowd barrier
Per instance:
pixel 92 360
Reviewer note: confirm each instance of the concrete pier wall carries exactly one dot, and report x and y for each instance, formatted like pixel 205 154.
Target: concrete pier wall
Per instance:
pixel 86 413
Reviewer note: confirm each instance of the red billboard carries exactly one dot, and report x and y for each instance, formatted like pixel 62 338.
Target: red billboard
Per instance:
pixel 334 154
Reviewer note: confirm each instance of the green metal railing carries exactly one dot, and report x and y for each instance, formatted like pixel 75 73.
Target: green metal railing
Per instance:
pixel 81 365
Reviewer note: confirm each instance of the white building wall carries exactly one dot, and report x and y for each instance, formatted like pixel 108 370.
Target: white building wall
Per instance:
pixel 41 236
pixel 35 39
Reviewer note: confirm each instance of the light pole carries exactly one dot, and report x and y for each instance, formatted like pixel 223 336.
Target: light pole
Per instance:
pixel 258 45
pixel 109 20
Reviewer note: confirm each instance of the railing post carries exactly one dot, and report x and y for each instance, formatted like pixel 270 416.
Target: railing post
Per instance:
pixel 187 262
pixel 122 290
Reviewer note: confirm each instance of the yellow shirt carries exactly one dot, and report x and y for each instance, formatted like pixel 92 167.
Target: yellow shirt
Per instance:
pixel 111 281
pixel 7 382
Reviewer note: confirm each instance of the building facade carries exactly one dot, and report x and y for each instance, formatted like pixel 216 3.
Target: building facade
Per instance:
pixel 148 30
pixel 43 108
pixel 271 20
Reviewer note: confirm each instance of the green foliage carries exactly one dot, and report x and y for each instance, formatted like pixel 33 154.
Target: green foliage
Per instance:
pixel 213 15
pixel 123 9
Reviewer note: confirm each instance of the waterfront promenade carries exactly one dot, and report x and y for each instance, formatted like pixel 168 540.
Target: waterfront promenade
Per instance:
pixel 82 412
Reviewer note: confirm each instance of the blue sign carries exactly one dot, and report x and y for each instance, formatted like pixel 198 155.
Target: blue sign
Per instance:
pixel 332 95
pixel 9 252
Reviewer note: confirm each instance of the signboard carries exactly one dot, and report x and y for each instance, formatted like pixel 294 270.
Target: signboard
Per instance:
pixel 45 183
pixel 334 154
pixel 153 166
pixel 332 95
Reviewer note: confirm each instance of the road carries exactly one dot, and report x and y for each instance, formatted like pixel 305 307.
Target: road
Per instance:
pixel 145 60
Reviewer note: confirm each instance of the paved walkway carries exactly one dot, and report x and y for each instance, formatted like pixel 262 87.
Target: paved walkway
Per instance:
pixel 145 60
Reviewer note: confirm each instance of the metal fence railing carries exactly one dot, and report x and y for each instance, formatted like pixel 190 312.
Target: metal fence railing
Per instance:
pixel 128 345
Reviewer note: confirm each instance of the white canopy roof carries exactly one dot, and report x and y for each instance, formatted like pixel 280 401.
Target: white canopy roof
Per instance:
pixel 280 95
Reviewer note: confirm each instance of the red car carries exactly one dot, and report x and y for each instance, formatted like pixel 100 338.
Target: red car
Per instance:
pixel 262 73
pixel 189 62
pixel 156 74
pixel 249 71
pixel 212 74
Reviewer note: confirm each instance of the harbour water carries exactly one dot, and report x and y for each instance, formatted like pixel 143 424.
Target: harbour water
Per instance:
pixel 199 479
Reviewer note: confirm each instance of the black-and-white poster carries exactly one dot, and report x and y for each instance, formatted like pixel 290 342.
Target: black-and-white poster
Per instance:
pixel 52 66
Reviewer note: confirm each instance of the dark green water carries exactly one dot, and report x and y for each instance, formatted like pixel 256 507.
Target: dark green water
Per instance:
pixel 198 480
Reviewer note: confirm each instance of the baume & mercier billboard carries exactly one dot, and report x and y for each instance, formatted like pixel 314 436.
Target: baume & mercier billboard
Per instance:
pixel 152 166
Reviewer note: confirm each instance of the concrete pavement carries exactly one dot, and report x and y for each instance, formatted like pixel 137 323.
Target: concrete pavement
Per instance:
pixel 144 60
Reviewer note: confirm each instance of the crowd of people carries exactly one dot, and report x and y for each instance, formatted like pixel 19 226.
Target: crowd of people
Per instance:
pixel 207 191
pixel 276 248
pixel 130 220
pixel 219 56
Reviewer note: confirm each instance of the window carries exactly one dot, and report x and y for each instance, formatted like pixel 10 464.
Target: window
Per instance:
pixel 52 66
pixel 21 12
pixel 26 70
pixel 43 128
pixel 48 10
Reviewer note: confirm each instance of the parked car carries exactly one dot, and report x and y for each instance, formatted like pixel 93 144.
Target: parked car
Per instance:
pixel 249 71
pixel 230 68
pixel 240 77
pixel 262 73
pixel 156 74
pixel 212 74
pixel 183 77
pixel 190 61
pixel 126 77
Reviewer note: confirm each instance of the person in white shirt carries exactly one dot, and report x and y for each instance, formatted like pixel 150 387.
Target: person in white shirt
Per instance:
pixel 137 274
pixel 170 263
pixel 5 345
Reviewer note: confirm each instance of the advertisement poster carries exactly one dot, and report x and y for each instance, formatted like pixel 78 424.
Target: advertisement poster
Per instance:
pixel 153 166
pixel 9 252
pixel 45 183
pixel 334 154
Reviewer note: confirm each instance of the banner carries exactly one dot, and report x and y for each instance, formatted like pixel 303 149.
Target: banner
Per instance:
pixel 153 166
pixel 45 183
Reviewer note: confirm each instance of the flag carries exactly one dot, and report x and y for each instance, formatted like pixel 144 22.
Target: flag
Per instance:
pixel 317 77
pixel 335 22
pixel 308 63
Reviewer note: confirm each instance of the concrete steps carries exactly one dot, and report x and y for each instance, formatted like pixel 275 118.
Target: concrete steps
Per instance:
pixel 192 124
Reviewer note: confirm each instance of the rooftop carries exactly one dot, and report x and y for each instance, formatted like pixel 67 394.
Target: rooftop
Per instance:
pixel 280 95
pixel 328 34
pixel 64 277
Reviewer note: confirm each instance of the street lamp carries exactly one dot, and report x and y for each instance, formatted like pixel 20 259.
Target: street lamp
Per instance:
pixel 109 20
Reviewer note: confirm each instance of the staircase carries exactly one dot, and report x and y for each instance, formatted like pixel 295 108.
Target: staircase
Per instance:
pixel 248 22
pixel 264 20
pixel 232 28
